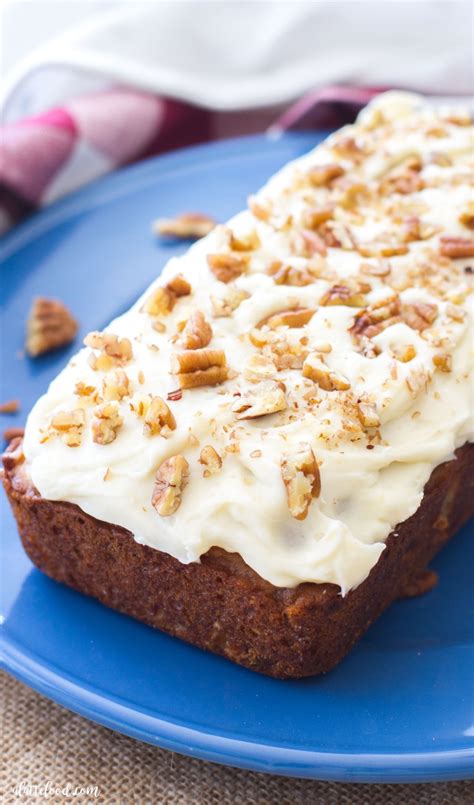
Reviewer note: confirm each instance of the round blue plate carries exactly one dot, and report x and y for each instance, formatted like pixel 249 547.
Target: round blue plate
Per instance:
pixel 399 708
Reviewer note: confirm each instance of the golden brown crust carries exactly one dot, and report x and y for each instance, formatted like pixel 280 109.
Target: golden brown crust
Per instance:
pixel 220 604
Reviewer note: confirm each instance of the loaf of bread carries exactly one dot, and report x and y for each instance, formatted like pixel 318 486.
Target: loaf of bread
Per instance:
pixel 270 446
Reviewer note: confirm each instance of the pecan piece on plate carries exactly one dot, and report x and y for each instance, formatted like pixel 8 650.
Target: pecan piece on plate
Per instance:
pixel 50 326
pixel 187 226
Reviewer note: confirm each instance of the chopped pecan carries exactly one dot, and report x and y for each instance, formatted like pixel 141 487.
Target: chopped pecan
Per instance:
pixel 419 315
pixel 225 306
pixel 293 317
pixel 50 326
pixel 376 317
pixel 443 362
pixel 455 247
pixel 114 351
pixel 403 352
pixel 383 248
pixel 197 332
pixel 316 370
pixel 348 148
pixel 260 209
pixel 170 480
pixel 200 367
pixel 315 216
pixel 106 423
pixel 158 419
pixel 267 397
pixel 246 243
pixel 163 299
pixel 211 460
pixel 300 473
pixel 227 267
pixel 381 268
pixel 337 236
pixel 307 243
pixel 466 218
pixel 367 413
pixel 13 433
pixel 291 275
pixel 415 229
pixel 188 226
pixel 10 407
pixel 323 175
pixel 116 385
pixel 69 425
pixel 350 294
pixel 259 367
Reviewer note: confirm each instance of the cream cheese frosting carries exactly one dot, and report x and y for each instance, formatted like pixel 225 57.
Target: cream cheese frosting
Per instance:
pixel 375 382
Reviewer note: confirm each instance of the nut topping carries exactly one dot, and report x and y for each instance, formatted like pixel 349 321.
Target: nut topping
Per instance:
pixel 227 267
pixel 211 460
pixel 50 326
pixel 419 315
pixel 116 385
pixel 107 422
pixel 200 367
pixel 443 362
pixel 170 480
pixel 69 425
pixel 158 419
pixel 163 299
pixel 188 226
pixel 367 413
pixel 467 216
pixel 316 370
pixel 259 367
pixel 454 247
pixel 349 294
pixel 225 306
pixel 300 473
pixel 114 351
pixel 197 333
pixel 403 352
pixel 294 317
pixel 267 397
pixel 324 175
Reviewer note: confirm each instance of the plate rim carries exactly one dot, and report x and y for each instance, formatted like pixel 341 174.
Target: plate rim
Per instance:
pixel 97 706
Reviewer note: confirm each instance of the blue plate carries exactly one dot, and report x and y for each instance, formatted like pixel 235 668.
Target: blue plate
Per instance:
pixel 399 708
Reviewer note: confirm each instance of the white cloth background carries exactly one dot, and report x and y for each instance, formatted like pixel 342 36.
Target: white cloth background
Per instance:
pixel 229 54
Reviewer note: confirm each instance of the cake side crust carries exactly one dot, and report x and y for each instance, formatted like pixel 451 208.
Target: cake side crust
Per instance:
pixel 220 604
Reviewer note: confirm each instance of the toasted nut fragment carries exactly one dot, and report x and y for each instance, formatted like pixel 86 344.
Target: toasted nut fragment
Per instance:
pixel 443 362
pixel 9 407
pixel 316 370
pixel 82 390
pixel 247 243
pixel 13 433
pixel 267 397
pixel 294 317
pixel 403 352
pixel 415 229
pixel 107 422
pixel 227 267
pixel 454 247
pixel 225 306
pixel 211 460
pixel 115 351
pixel 307 243
pixel 337 236
pixel 200 367
pixel 158 419
pixel 419 315
pixel 300 473
pixel 455 312
pixel 323 175
pixel 260 209
pixel 380 269
pixel 377 317
pixel 69 424
pixel 382 249
pixel 349 148
pixel 259 367
pixel 467 216
pixel 170 480
pixel 50 326
pixel 315 216
pixel 367 413
pixel 197 333
pixel 348 294
pixel 188 226
pixel 290 275
pixel 116 385
pixel 163 299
